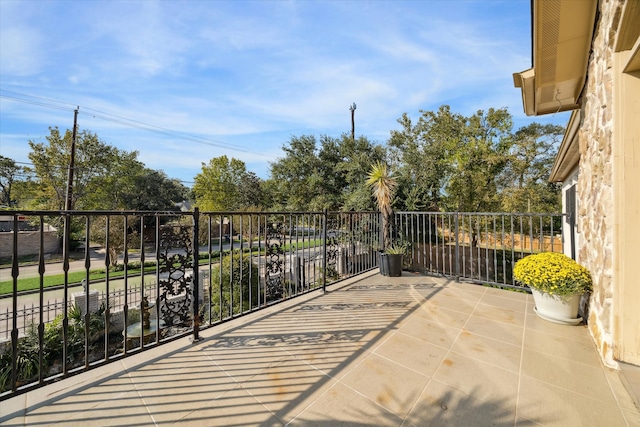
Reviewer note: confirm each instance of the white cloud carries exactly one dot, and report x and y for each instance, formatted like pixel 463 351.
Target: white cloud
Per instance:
pixel 253 73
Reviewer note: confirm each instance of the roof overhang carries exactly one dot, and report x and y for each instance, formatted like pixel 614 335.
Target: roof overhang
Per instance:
pixel 562 33
pixel 569 152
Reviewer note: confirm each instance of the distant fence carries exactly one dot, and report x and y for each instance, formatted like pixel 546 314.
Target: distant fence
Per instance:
pixel 29 315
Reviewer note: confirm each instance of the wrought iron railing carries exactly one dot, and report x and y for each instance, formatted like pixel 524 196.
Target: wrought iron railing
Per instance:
pixel 210 267
pixel 207 267
pixel 478 247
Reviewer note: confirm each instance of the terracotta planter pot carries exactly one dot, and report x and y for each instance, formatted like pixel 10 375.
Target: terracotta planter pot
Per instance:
pixel 557 309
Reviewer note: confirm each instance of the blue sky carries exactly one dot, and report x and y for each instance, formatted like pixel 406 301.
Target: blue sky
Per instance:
pixel 198 79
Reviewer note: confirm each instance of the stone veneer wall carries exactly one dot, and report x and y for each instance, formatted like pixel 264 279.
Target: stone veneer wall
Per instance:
pixel 595 181
pixel 28 243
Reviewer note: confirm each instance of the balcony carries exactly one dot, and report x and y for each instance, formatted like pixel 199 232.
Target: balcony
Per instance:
pixel 371 350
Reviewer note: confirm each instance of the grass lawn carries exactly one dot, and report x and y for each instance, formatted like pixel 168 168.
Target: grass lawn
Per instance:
pixel 6 287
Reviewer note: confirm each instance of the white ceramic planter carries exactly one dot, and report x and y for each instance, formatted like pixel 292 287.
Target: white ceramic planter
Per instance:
pixel 557 309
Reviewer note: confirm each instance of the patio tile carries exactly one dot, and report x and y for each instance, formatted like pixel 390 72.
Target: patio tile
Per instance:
pixel 494 329
pixel 334 358
pixel 449 302
pixel 430 331
pixel 473 376
pixel 387 383
pixel 442 405
pixel 126 408
pixel 512 317
pixel 442 315
pixel 578 332
pixel 467 287
pixel 508 293
pixel 342 406
pixel 236 407
pixel 380 351
pixel 567 348
pixel 283 387
pixel 555 406
pixel 625 399
pixel 505 299
pixel 463 294
pixel 16 409
pixel 569 375
pixel 413 353
pixel 170 398
pixel 632 417
pixel 498 353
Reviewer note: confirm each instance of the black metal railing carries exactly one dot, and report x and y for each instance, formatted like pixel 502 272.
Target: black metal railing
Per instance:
pixel 204 267
pixel 478 247
pixel 158 276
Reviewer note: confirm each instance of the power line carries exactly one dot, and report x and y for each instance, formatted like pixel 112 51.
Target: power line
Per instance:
pixel 97 114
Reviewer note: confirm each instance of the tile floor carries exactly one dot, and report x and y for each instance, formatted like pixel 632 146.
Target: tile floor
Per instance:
pixel 372 351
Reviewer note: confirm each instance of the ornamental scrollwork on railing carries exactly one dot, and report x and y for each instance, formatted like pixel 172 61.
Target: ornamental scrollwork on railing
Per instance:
pixel 274 268
pixel 175 256
pixel 333 246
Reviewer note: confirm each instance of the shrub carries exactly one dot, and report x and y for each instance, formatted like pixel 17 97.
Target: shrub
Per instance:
pixel 554 273
pixel 244 290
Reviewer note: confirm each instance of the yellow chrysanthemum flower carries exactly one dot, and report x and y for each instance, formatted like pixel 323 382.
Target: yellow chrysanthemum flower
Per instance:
pixel 554 273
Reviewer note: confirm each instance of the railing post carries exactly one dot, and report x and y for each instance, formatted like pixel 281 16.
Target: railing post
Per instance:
pixel 324 250
pixel 15 271
pixel 65 268
pixel 572 235
pixel 195 276
pixel 457 230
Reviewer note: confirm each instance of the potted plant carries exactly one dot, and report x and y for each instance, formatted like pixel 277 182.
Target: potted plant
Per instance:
pixel 383 185
pixel 391 260
pixel 557 282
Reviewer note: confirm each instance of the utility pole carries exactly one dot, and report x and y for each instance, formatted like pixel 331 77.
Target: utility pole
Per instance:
pixel 353 122
pixel 68 204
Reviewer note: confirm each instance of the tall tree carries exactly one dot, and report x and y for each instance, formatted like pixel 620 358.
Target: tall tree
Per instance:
pixel 356 157
pixel 94 164
pixel 448 161
pixel 9 174
pixel 294 176
pixel 250 191
pixel 424 154
pixel 151 189
pixel 217 186
pixel 525 179
pixel 329 175
pixel 481 155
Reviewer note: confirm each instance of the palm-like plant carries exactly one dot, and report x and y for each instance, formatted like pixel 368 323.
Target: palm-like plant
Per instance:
pixel 383 184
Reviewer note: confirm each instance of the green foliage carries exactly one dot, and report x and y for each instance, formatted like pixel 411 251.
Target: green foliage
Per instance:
pixel 152 190
pixel 554 273
pixel 325 174
pixel 396 249
pixel 104 176
pixel 95 169
pixel 115 236
pixel 525 181
pixel 225 185
pixel 9 173
pixel 52 349
pixel 236 277
pixel 383 185
pixel 450 162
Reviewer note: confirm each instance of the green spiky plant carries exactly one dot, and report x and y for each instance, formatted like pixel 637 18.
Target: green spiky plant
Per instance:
pixel 383 185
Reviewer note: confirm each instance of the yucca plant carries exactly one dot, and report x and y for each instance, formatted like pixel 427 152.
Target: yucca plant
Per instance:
pixel 383 184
